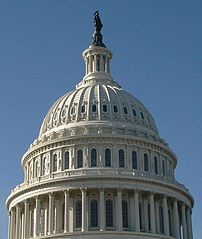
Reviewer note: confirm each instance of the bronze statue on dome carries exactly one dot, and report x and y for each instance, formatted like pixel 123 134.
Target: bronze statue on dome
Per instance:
pixel 97 36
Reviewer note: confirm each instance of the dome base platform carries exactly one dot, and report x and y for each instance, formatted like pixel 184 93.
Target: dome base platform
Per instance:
pixel 106 235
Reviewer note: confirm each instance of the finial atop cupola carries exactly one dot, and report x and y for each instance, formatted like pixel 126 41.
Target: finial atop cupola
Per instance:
pixel 97 36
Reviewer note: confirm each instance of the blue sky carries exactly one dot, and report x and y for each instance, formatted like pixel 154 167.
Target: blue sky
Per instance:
pixel 157 57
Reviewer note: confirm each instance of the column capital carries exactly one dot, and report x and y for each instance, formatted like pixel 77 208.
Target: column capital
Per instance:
pixel 101 189
pixel 119 189
pixel 83 189
pixel 51 194
pixel 37 197
pixel 151 193
pixel 136 191
pixel 66 191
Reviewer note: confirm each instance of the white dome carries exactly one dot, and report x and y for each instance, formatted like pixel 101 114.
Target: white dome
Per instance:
pixel 99 103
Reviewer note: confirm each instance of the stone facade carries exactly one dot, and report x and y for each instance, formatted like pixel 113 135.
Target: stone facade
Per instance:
pixel 99 169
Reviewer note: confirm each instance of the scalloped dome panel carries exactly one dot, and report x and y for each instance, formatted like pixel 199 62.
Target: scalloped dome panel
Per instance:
pixel 101 103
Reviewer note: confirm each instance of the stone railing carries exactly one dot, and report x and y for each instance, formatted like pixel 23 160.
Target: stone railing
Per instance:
pixel 96 173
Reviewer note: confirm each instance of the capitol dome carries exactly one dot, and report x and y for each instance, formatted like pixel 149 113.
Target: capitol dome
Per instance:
pixel 99 168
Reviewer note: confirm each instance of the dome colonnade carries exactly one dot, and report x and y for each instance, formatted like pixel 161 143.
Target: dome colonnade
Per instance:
pixel 99 168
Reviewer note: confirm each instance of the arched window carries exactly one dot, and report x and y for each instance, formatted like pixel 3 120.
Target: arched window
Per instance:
pixel 79 159
pixel 155 165
pixel 161 219
pixel 42 221
pixel 44 166
pixel 121 158
pixel 125 213
pixel 78 214
pixel 109 213
pixel 134 160
pixel 63 216
pixel 32 223
pixel 36 168
pixel 140 216
pixel 149 217
pixel 54 162
pixel 164 170
pixel 170 222
pixel 94 213
pixel 146 163
pixel 67 160
pixel 107 158
pixel 93 157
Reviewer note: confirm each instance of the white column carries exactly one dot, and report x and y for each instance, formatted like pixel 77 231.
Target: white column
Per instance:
pixel 26 220
pixel 102 210
pixel 176 225
pixel 189 224
pixel 12 233
pixel 22 225
pixel 66 216
pixel 119 211
pixel 152 214
pixel 165 216
pixel 132 213
pixel 137 214
pixel 86 62
pixel 50 224
pixel 101 63
pixel 9 225
pixel 36 218
pixel 106 64
pixel 17 231
pixel 145 207
pixel 84 211
pixel 91 64
pixel 46 220
pixel 157 217
pixel 95 64
pixel 184 223
pixel 57 218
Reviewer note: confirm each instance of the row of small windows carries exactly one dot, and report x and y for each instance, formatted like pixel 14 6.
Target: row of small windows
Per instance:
pixel 105 109
pixel 107 161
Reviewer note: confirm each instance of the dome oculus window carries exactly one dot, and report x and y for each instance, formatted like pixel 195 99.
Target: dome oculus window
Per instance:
pixel 125 110
pixel 115 109
pixel 142 115
pixel 94 108
pixel 63 113
pixel 104 108
pixel 73 110
pixel 83 109
pixel 134 112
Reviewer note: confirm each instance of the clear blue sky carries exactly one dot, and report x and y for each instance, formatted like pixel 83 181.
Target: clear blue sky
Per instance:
pixel 157 57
